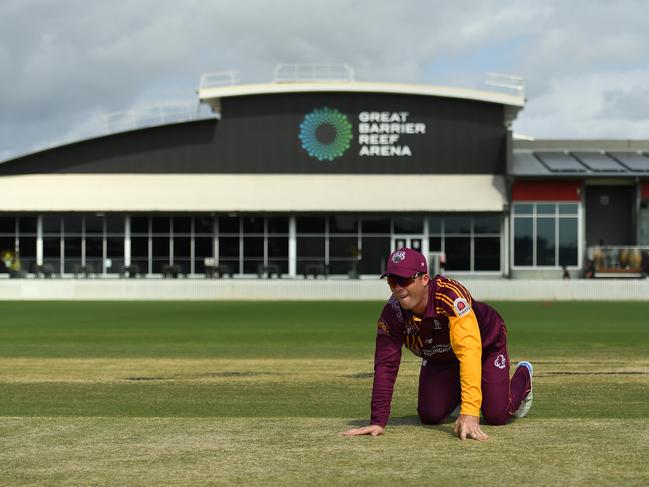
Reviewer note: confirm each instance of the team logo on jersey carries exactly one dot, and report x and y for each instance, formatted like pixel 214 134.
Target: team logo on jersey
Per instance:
pixel 437 325
pixel 398 256
pixel 461 306
pixel 383 328
pixel 500 361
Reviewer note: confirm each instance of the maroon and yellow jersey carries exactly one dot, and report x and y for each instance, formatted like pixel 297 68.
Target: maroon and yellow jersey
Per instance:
pixel 454 328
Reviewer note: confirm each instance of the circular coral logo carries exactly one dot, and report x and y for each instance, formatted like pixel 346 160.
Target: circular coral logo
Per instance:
pixel 325 134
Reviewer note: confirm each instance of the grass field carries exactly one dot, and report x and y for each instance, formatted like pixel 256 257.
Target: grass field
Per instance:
pixel 126 393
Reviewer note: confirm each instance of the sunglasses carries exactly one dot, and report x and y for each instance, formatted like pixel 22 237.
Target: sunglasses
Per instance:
pixel 403 281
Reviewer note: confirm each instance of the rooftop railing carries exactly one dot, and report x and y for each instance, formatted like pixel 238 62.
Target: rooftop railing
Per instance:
pixel 506 82
pixel 150 117
pixel 292 73
pixel 218 79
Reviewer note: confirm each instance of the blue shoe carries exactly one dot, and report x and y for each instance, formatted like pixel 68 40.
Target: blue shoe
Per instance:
pixel 526 404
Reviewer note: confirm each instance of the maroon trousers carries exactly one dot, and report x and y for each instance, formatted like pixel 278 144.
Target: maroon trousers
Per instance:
pixel 439 387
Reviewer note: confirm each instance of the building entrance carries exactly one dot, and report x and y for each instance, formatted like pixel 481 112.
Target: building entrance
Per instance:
pixel 609 215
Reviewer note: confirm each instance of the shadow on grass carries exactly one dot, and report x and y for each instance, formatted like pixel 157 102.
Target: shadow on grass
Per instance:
pixel 445 426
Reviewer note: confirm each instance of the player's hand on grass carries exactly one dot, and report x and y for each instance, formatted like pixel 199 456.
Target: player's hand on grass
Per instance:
pixel 467 426
pixel 373 429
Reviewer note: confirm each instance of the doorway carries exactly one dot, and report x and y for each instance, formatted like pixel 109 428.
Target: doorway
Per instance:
pixel 609 215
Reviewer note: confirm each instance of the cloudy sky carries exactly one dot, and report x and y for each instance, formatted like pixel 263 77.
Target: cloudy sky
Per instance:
pixel 64 64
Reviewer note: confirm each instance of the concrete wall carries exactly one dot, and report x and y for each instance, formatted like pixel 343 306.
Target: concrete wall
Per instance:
pixel 299 289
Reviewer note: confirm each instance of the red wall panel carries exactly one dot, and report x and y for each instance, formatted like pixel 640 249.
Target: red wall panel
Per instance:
pixel 546 191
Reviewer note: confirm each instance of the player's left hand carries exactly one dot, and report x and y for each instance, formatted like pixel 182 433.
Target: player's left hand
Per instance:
pixel 467 426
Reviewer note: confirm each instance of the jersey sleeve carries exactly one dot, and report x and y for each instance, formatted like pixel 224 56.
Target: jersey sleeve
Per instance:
pixel 455 302
pixel 387 358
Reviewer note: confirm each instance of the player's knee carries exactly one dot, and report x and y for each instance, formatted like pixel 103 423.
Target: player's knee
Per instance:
pixel 495 418
pixel 431 417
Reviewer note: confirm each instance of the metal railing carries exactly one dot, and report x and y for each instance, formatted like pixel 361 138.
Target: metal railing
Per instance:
pixel 328 72
pixel 219 78
pixel 150 116
pixel 619 259
pixel 507 82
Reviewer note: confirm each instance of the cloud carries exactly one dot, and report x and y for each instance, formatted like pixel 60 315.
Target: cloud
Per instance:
pixel 64 63
pixel 585 107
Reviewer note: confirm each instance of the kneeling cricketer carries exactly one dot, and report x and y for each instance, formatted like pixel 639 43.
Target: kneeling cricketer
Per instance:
pixel 463 348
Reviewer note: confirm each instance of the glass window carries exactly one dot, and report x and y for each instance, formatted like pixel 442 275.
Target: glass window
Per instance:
pixel 94 224
pixel 115 224
pixel 140 266
pixel 72 261
pixel 182 247
pixel 203 225
pixel 51 225
pixel 140 246
pixel 27 225
pixel 408 224
pixel 278 225
pixel 523 208
pixel 343 224
pixel 182 225
pixel 229 247
pixel 311 247
pixel 160 247
pixel 8 225
pixel 435 225
pixel 278 247
pixel 568 208
pixel 568 241
pixel 203 247
pixel 457 225
pixel 72 224
pixel 52 247
pixel 95 254
pixel 94 247
pixel 253 265
pixel 114 247
pixel 253 247
pixel 435 244
pixel 27 247
pixel 158 265
pixel 343 267
pixel 160 225
pixel 229 225
pixel 278 253
pixel 487 254
pixel 253 225
pixel 546 208
pixel 523 244
pixel 375 224
pixel 7 244
pixel 487 224
pixel 140 225
pixel 458 253
pixel 545 241
pixel 315 225
pixel 374 254
pixel 343 247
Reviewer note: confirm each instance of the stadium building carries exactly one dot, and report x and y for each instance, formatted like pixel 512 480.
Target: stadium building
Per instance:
pixel 318 174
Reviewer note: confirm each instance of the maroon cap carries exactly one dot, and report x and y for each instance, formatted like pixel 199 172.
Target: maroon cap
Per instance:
pixel 405 263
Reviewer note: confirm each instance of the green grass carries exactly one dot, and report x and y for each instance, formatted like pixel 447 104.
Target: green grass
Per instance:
pixel 257 393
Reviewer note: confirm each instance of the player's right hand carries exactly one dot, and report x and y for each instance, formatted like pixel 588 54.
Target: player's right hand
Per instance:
pixel 373 429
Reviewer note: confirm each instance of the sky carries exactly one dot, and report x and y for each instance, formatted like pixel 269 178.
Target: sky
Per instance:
pixel 66 64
